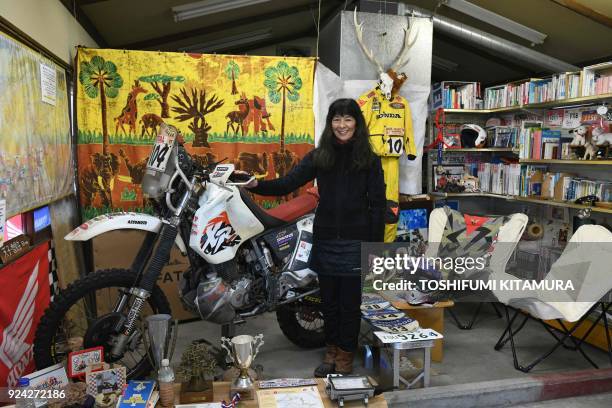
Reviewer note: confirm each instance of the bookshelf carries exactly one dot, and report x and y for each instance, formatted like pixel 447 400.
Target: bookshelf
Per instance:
pixel 554 104
pixel 568 162
pixel 484 149
pixel 551 169
pixel 533 200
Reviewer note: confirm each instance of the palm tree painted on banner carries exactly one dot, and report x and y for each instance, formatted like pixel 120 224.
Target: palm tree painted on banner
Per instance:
pixel 195 107
pixel 282 82
pixel 100 77
pixel 233 71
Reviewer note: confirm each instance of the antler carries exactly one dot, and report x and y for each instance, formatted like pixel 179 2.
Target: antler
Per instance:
pixel 402 57
pixel 368 53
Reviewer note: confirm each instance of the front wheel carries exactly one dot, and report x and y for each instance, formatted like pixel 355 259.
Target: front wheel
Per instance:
pixel 302 322
pixel 83 313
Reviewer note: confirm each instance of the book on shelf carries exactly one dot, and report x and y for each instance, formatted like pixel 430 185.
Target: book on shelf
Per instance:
pixel 495 97
pixel 531 179
pixel 499 178
pixel 541 90
pixel 597 79
pixel 502 136
pixel 550 147
pixel 560 186
pixel 566 85
pixel 530 133
pixel 456 95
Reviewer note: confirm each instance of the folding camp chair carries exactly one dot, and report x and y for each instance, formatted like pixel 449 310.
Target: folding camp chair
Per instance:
pixel 587 261
pixel 507 239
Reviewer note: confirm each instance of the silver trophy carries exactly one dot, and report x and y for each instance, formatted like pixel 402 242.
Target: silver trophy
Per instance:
pixel 242 350
pixel 160 337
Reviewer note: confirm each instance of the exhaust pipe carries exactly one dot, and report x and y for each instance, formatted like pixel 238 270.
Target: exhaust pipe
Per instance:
pixel 488 41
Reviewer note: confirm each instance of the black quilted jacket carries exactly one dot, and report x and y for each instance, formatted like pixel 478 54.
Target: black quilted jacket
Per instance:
pixel 352 203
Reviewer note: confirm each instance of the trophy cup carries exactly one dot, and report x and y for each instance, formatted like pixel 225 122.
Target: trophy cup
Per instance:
pixel 159 338
pixel 242 350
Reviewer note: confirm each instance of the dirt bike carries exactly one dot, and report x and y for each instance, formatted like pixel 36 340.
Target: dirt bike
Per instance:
pixel 243 261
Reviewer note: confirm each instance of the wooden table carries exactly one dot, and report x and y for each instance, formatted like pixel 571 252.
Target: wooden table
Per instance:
pixel 428 316
pixel 221 392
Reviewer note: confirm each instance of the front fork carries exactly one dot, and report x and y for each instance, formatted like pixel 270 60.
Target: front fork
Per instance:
pixel 161 256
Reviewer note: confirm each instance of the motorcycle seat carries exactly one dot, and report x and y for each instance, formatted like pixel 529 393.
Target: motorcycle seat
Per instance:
pixel 296 207
pixel 284 213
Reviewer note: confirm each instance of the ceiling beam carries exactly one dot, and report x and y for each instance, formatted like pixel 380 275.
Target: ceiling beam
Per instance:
pixel 88 2
pixel 74 8
pixel 156 42
pixel 583 10
pixel 495 59
pixel 267 42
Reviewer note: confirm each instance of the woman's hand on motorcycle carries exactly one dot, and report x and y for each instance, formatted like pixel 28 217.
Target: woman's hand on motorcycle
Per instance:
pixel 240 175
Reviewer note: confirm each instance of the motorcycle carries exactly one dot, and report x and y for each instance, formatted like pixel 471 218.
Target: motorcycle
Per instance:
pixel 243 261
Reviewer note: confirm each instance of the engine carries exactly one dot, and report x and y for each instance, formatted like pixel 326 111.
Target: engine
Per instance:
pixel 223 291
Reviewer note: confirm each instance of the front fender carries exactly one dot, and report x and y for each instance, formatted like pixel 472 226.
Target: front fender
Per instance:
pixel 119 221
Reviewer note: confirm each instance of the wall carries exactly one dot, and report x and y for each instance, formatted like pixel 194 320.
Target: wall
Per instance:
pixel 309 42
pixel 49 23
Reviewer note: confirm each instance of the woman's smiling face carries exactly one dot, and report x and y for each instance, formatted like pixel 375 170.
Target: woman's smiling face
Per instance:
pixel 343 127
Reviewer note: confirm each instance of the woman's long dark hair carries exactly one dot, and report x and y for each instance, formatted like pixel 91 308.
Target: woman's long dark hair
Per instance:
pixel 362 155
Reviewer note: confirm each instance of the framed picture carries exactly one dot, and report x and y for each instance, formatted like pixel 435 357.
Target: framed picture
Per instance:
pixel 50 378
pixel 106 381
pixel 558 214
pixel 452 141
pixel 445 176
pixel 80 360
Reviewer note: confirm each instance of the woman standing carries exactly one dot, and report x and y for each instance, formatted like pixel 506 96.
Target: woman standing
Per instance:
pixel 350 211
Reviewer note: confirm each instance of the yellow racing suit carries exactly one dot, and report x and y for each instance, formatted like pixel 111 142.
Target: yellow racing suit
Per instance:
pixel 390 127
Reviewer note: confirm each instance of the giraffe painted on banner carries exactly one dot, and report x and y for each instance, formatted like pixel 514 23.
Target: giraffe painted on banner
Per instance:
pixel 129 113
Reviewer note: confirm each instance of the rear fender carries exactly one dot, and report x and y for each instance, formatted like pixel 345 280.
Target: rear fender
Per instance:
pixel 120 221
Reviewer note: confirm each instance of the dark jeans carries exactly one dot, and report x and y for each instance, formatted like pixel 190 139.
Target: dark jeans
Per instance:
pixel 341 296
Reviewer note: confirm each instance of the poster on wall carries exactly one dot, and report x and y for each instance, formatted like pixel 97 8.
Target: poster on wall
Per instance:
pixel 254 111
pixel 35 146
pixel 24 296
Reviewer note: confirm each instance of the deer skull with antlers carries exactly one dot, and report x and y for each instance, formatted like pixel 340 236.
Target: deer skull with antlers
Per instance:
pixel 389 82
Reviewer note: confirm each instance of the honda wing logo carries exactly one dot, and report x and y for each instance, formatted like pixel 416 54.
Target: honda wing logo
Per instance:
pixel 13 345
pixel 218 235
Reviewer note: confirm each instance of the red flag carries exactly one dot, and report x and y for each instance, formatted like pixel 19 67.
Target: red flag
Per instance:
pixel 24 296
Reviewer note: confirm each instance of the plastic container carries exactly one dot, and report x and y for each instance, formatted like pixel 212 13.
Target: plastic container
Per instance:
pixel 165 378
pixel 24 384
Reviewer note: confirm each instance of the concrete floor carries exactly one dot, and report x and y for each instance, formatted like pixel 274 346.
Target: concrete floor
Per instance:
pixel 590 401
pixel 468 354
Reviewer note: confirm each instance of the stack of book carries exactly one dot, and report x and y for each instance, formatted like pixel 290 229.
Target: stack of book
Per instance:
pixel 456 95
pixel 499 178
pixel 597 79
pixel 574 188
pixel 530 133
pixel 566 85
pixel 531 179
pixel 502 136
pixel 541 90
pixel 496 97
pixel 517 93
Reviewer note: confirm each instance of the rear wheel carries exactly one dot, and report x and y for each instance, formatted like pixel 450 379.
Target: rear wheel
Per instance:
pixel 302 322
pixel 84 312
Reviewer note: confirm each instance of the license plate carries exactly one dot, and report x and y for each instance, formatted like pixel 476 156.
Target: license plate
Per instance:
pixel 417 335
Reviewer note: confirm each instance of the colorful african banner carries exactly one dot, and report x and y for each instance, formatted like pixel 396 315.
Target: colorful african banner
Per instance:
pixel 254 111
pixel 35 148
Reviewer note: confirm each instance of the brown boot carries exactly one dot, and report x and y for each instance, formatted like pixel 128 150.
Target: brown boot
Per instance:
pixel 344 361
pixel 328 364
